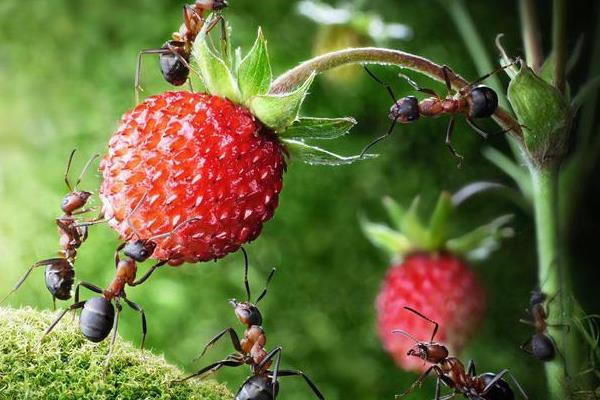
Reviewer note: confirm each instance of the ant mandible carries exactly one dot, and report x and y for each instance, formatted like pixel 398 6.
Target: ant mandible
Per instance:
pixel 263 383
pixel 175 53
pixel 474 100
pixel 451 372
pixel 540 345
pixel 60 273
pixel 98 315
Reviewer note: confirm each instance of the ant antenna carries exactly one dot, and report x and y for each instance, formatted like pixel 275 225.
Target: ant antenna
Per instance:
pixel 264 292
pixel 385 85
pixel 435 329
pixel 127 218
pixel 85 168
pixel 66 176
pixel 177 227
pixel 246 284
pixel 405 334
pixel 500 68
pixel 379 139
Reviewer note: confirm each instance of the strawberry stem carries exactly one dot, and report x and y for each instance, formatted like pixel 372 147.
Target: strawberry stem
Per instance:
pixel 375 55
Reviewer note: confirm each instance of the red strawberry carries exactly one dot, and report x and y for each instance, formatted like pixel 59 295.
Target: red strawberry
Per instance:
pixel 429 274
pixel 442 287
pixel 209 164
pixel 193 156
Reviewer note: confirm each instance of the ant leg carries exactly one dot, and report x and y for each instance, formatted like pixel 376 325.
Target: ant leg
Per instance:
pixel 139 309
pixel 138 69
pixel 437 388
pixel 449 133
pixel 235 340
pixel 385 85
pixel 264 292
pixel 417 87
pixel 190 84
pixel 436 325
pixel 471 368
pixel 273 353
pixel 308 381
pixel 483 133
pixel 115 330
pixel 212 368
pixel 420 380
pixel 446 71
pixel 149 272
pixel 498 377
pixel 50 261
pixel 66 176
pixel 74 306
pixel 84 170
pixel 527 322
pixel 526 346
pixel 379 139
pixel 88 286
pixel 246 284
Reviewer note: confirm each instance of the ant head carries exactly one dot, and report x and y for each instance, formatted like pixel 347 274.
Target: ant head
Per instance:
pixel 430 352
pixel 97 319
pixel 173 69
pixel 218 5
pixel 483 102
pixel 405 110
pixel 140 250
pixel 247 313
pixel 537 297
pixel 74 201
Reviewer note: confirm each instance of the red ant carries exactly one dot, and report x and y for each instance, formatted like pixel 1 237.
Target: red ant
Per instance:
pixel 451 372
pixel 263 384
pixel 175 53
pixel 474 100
pixel 59 274
pixel 541 345
pixel 98 315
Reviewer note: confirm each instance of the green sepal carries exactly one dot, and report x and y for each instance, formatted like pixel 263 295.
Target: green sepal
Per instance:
pixel 316 156
pixel 438 224
pixel 395 211
pixel 318 128
pixel 278 111
pixel 543 113
pixel 480 242
pixel 392 242
pixel 254 71
pixel 215 73
pixel 412 226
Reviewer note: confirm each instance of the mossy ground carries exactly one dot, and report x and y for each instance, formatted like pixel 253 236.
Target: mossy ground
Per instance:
pixel 66 366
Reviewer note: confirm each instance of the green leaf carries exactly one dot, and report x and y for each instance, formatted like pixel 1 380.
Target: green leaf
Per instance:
pixel 254 73
pixel 278 111
pixel 318 128
pixel 438 225
pixel 480 242
pixel 316 156
pixel 509 167
pixel 217 77
pixel 544 114
pixel 395 211
pixel 392 242
pixel 413 228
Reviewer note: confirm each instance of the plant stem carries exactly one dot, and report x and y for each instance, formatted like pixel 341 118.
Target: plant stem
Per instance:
pixel 530 30
pixel 552 277
pixel 559 45
pixel 375 55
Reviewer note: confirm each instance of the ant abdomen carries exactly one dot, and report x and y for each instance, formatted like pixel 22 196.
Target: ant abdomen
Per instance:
pixel 483 102
pixel 174 70
pixel 499 391
pixel 258 387
pixel 542 347
pixel 96 319
pixel 60 277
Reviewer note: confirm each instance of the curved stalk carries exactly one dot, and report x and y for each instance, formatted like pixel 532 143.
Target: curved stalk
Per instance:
pixel 375 55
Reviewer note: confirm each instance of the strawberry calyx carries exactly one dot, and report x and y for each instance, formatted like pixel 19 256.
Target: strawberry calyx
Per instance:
pixel 410 234
pixel 247 81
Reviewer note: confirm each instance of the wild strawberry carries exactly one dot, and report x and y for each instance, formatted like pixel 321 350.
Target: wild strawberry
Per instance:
pixel 209 167
pixel 429 274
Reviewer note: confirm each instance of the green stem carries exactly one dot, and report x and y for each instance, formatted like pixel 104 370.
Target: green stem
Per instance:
pixel 532 39
pixel 559 45
pixel 552 277
pixel 375 55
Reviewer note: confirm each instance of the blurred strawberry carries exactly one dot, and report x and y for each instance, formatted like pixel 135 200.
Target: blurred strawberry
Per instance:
pixel 215 159
pixel 429 274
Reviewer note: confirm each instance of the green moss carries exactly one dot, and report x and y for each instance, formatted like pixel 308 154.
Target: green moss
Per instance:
pixel 66 366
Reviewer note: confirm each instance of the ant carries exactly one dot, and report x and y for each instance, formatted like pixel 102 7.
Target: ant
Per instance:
pixel 541 345
pixel 451 372
pixel 60 271
pixel 474 100
pixel 175 53
pixel 98 315
pixel 263 383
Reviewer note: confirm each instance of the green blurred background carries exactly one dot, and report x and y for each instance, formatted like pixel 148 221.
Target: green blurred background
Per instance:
pixel 66 76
